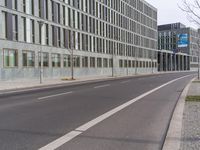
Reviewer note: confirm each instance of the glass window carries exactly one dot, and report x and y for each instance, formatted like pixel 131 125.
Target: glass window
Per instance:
pixel 65 60
pixel 45 59
pixel 92 62
pixel 28 58
pixel 10 58
pixel 55 58
pixel 84 61
pixel 99 62
pixel 4 24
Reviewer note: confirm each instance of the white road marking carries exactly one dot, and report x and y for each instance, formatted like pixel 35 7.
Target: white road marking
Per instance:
pixel 125 81
pixel 101 86
pixel 69 136
pixel 45 97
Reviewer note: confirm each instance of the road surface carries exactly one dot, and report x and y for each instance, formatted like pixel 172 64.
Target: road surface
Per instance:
pixel 122 114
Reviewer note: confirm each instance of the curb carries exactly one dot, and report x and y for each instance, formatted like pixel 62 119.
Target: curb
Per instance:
pixel 173 138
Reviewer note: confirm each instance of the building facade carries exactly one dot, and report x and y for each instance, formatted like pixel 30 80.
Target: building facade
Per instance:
pixel 90 37
pixel 178 47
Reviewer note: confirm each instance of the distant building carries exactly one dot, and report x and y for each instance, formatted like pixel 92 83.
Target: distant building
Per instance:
pixel 178 48
pixel 109 37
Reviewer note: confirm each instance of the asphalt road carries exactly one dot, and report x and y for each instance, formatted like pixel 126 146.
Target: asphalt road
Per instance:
pixel 30 120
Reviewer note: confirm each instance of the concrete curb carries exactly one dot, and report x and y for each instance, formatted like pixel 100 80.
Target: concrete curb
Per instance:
pixel 173 138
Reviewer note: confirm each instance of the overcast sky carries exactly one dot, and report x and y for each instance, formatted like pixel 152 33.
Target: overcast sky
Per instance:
pixel 169 12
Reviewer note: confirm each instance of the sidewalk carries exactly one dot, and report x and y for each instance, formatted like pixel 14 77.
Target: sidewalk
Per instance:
pixel 14 85
pixel 184 128
pixel 21 84
pixel 191 120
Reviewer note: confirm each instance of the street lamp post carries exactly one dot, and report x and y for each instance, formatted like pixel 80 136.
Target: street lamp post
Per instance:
pixel 198 44
pixel 41 23
pixel 72 56
pixel 199 64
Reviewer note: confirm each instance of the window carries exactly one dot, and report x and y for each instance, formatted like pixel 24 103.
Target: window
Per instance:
pixel 55 58
pixel 84 61
pixel 24 29
pixel 76 61
pixel 99 62
pixel 105 62
pixel 28 58
pixel 32 7
pixel 121 63
pixel 14 4
pixel 47 34
pixel 24 6
pixel 4 25
pixel 15 27
pixel 32 31
pixel 92 62
pixel 66 60
pixel 110 63
pixel 10 58
pixel 45 59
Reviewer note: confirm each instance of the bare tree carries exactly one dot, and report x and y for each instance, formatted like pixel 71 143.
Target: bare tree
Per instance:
pixel 192 9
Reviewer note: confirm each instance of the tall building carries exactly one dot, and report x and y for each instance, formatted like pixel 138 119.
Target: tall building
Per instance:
pixel 178 47
pixel 90 37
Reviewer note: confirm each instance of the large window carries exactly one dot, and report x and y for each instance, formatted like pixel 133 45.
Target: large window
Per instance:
pixel 55 58
pixel 15 27
pixel 28 58
pixel 23 29
pixel 99 62
pixel 10 58
pixel 45 59
pixel 92 62
pixel 66 61
pixel 84 61
pixel 4 24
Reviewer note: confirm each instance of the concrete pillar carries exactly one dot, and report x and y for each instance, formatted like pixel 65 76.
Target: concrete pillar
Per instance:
pixel 171 62
pixel 179 63
pixel 161 61
pixel 166 61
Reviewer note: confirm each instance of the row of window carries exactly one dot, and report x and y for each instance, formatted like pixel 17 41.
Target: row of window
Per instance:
pixel 10 59
pixel 90 25
pixel 100 9
pixel 138 64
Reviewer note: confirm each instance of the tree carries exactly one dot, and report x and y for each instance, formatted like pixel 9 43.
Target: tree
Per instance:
pixel 192 8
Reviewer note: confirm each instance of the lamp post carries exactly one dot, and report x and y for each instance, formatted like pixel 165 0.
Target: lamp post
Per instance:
pixel 198 64
pixel 41 23
pixel 198 45
pixel 72 56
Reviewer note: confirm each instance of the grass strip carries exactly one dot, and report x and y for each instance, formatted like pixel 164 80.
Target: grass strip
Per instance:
pixel 197 81
pixel 193 98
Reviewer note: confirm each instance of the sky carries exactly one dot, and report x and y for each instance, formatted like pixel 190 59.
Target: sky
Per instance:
pixel 169 12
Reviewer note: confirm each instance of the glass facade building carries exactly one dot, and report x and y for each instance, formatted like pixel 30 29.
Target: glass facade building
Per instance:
pixel 178 47
pixel 100 37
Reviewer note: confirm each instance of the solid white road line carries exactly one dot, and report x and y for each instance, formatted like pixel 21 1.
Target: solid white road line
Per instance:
pixel 125 81
pixel 69 136
pixel 45 97
pixel 101 86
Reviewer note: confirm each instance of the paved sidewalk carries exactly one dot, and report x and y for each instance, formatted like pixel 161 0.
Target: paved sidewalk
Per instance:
pixel 191 121
pixel 14 85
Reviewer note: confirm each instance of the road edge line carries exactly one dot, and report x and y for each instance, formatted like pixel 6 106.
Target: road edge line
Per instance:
pixel 174 132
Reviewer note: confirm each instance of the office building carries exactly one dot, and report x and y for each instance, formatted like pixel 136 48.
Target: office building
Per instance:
pixel 178 47
pixel 87 37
